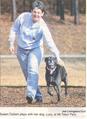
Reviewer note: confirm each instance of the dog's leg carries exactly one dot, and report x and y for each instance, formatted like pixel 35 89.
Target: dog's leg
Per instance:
pixel 58 85
pixel 65 82
pixel 48 89
pixel 49 92
pixel 58 90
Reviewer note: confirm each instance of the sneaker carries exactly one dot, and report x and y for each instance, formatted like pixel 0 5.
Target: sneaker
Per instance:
pixel 29 99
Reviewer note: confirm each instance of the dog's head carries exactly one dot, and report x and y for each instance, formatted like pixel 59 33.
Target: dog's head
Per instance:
pixel 51 62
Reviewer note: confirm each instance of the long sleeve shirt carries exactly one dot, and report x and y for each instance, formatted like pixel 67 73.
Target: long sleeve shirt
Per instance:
pixel 31 35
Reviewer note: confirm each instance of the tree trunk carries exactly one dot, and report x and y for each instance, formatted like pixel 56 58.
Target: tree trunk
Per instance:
pixel 0 7
pixel 61 9
pixel 76 16
pixel 24 5
pixel 57 8
pixel 13 10
pixel 72 7
pixel 30 4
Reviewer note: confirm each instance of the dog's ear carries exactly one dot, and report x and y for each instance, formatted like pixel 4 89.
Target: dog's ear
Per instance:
pixel 55 59
pixel 46 59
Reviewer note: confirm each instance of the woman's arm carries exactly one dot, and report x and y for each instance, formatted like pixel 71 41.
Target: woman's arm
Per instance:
pixel 50 43
pixel 12 36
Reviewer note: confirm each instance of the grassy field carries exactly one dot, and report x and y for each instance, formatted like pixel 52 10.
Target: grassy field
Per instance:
pixel 11 74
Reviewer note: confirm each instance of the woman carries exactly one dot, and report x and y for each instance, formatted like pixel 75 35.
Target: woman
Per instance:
pixel 31 31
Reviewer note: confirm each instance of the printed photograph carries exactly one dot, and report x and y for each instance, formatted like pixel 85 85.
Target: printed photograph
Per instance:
pixel 43 53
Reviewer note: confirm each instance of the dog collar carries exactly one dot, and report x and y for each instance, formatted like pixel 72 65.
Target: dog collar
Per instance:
pixel 51 70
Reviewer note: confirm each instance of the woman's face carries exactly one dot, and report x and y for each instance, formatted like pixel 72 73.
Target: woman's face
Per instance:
pixel 37 14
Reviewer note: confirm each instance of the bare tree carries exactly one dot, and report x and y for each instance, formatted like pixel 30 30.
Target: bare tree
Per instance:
pixel 60 9
pixel 76 16
pixel 14 10
pixel 75 10
pixel 30 4
pixel 0 7
pixel 57 9
pixel 24 4
pixel 72 7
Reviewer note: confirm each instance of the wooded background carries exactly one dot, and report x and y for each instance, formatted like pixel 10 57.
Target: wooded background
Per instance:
pixel 25 5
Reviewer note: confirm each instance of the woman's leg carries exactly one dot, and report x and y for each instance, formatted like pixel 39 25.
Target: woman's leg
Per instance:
pixel 38 95
pixel 22 58
pixel 34 59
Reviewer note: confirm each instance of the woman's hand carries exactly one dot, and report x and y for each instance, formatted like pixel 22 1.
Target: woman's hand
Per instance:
pixel 61 62
pixel 12 50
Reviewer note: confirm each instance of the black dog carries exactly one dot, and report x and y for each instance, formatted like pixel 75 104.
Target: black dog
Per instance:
pixel 54 75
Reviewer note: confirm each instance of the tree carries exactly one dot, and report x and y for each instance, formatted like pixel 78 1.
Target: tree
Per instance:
pixel 24 5
pixel 14 11
pixel 57 9
pixel 75 10
pixel 30 4
pixel 0 7
pixel 76 15
pixel 60 9
pixel 72 7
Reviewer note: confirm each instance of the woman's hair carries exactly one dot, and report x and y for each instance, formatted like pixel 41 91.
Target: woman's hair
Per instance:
pixel 39 4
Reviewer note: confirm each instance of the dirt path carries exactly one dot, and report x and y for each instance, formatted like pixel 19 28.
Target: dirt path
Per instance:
pixel 15 96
